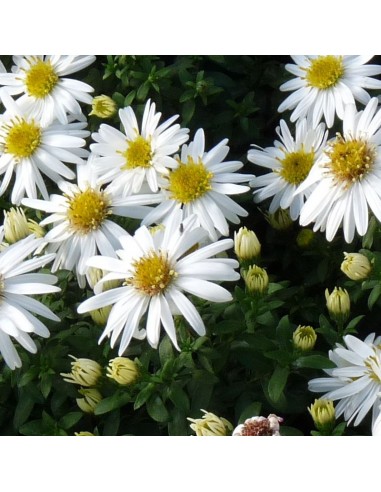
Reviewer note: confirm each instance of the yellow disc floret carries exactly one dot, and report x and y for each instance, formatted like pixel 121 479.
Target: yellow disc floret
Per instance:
pixel 325 71
pixel 350 160
pixel 87 210
pixel 137 154
pixel 152 274
pixel 189 181
pixel 296 166
pixel 23 138
pixel 373 365
pixel 40 79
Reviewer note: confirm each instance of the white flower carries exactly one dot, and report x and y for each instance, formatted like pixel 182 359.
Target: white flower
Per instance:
pixel 325 84
pixel 47 93
pixel 348 176
pixel 356 381
pixel 136 157
pixel 82 227
pixel 156 270
pixel 290 161
pixel 16 305
pixel 199 184
pixel 30 150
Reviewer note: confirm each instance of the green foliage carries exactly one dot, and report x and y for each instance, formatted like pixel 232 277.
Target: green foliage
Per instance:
pixel 246 364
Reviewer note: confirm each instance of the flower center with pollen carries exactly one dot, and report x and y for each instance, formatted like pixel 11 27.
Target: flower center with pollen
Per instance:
pixel 137 154
pixel 87 210
pixel 152 274
pixel 23 138
pixel 373 364
pixel 350 160
pixel 325 71
pixel 296 166
pixel 40 79
pixel 189 181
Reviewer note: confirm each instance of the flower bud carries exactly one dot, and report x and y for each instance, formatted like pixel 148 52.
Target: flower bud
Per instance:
pixel 103 107
pixel 280 220
pixel 211 425
pixel 91 399
pixel 100 316
pixel 304 338
pixel 85 372
pixel 84 433
pixel 338 304
pixel 304 238
pixel 256 279
pixel 356 266
pixel 259 426
pixel 17 226
pixel 246 244
pixel 123 370
pixel 323 414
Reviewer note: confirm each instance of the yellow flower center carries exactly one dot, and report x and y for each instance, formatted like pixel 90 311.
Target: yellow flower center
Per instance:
pixel 87 210
pixel 325 71
pixel 350 160
pixel 373 364
pixel 23 138
pixel 296 166
pixel 152 274
pixel 137 154
pixel 189 181
pixel 40 79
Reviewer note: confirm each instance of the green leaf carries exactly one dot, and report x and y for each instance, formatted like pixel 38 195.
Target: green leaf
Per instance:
pixel 374 295
pixel 178 426
pixel 156 409
pixel 142 93
pixel 70 419
pixel 252 410
pixel 277 382
pixel 23 409
pixel 179 398
pixel 188 111
pixel 119 99
pixel 33 428
pixel 314 362
pixel 165 350
pixel 129 99
pixel 143 395
pixel 353 323
pixel 285 430
pixel 111 403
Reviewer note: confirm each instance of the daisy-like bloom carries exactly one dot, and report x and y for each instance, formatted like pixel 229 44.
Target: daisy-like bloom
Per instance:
pixel 136 157
pixel 156 269
pixel 259 426
pixel 356 381
pixel 211 425
pixel 325 84
pixel 347 177
pixel 199 184
pixel 17 284
pixel 31 149
pixel 82 226
pixel 47 93
pixel 290 161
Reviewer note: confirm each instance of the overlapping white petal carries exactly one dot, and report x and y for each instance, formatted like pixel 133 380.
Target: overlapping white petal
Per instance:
pixel 313 102
pixel 276 184
pixel 17 309
pixel 193 273
pixel 356 381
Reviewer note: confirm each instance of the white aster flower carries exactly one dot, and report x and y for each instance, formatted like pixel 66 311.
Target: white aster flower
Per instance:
pixel 82 227
pixel 348 176
pixel 356 381
pixel 325 84
pixel 156 270
pixel 136 157
pixel 47 93
pixel 30 150
pixel 199 184
pixel 290 161
pixel 17 284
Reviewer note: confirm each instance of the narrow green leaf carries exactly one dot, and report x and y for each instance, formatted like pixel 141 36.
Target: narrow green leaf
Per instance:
pixel 314 362
pixel 277 382
pixel 156 409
